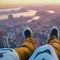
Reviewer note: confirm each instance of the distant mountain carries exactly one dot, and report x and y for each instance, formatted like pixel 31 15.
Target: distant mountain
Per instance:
pixel 14 11
pixel 23 10
pixel 39 13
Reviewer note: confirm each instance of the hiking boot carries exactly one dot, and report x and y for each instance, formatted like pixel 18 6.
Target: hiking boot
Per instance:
pixel 54 32
pixel 27 32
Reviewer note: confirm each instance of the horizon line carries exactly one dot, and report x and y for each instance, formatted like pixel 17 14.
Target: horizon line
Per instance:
pixel 12 5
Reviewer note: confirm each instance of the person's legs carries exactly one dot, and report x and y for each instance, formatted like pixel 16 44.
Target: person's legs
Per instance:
pixel 54 40
pixel 50 51
pixel 27 47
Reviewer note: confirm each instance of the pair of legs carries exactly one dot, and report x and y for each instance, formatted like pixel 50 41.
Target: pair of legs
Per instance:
pixel 27 48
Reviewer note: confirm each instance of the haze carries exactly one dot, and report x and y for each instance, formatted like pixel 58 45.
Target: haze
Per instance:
pixel 9 2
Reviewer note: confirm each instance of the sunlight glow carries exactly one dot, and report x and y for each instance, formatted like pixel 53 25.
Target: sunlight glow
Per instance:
pixel 25 14
pixel 29 21
pixel 30 13
pixel 36 18
pixel 2 17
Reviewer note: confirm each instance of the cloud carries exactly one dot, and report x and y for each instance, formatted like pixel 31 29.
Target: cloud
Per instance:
pixel 50 11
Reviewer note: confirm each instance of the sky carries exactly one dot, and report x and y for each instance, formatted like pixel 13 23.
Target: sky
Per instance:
pixel 9 2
